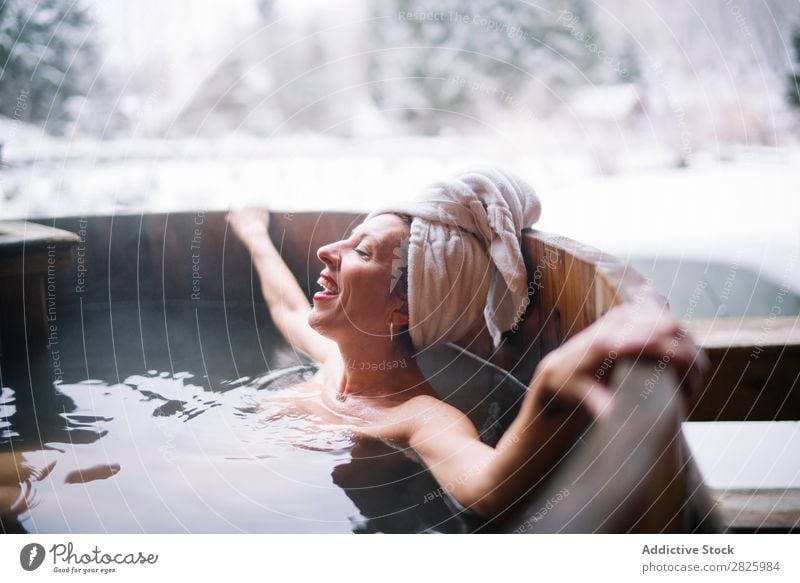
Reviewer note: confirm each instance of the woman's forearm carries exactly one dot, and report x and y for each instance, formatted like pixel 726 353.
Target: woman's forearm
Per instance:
pixel 278 284
pixel 288 305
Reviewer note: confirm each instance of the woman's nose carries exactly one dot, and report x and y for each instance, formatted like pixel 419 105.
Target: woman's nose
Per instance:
pixel 329 255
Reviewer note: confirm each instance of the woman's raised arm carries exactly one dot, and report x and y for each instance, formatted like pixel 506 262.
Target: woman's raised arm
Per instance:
pixel 288 305
pixel 491 480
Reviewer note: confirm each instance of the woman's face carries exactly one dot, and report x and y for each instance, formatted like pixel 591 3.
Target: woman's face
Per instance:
pixel 356 294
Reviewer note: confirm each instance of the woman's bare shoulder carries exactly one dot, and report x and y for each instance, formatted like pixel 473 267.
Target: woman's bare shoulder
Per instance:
pixel 426 412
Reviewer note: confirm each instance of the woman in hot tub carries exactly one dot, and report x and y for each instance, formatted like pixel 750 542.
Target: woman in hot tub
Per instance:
pixel 434 270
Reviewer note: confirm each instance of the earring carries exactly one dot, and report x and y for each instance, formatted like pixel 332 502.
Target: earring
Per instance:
pixel 391 331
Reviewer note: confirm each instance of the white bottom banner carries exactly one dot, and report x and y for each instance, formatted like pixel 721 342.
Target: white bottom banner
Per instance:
pixel 387 558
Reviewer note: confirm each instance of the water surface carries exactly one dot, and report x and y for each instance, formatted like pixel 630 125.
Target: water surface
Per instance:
pixel 211 447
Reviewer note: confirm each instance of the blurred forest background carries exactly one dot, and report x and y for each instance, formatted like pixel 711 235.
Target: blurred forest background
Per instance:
pixel 605 105
pixel 394 67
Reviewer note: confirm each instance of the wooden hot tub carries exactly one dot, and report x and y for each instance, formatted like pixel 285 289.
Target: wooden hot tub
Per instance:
pixel 630 473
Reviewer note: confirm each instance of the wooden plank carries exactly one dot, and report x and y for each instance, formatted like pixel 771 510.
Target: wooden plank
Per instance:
pixel 34 235
pixel 750 383
pixel 31 247
pixel 751 471
pixel 722 333
pixel 755 368
pixel 30 255
pixel 570 285
pixel 763 509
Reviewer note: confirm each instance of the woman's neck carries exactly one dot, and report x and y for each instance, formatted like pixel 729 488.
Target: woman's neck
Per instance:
pixel 376 368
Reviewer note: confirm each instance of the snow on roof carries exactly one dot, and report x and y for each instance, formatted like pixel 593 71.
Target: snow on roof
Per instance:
pixel 15 134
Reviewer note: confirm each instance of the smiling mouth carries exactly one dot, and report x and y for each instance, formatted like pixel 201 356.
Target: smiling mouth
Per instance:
pixel 329 288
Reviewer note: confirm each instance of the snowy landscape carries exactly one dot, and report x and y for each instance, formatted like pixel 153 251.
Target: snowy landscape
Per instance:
pixel 660 129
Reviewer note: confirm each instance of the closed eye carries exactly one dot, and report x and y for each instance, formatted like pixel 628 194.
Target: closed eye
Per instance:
pixel 362 253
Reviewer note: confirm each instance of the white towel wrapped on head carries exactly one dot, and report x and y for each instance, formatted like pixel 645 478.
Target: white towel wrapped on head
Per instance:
pixel 464 255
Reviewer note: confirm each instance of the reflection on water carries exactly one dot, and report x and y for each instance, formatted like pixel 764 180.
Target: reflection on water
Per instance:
pixel 161 452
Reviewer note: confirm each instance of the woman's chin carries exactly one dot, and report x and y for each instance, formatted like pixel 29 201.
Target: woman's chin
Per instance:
pixel 316 320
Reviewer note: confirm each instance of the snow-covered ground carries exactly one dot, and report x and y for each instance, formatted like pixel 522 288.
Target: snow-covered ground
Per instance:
pixel 751 454
pixel 745 212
